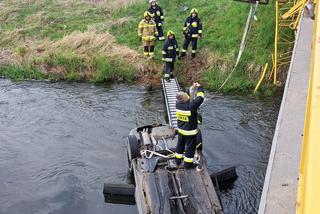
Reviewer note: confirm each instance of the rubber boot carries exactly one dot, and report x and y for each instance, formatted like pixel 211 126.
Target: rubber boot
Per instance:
pixel 146 51
pixel 193 55
pixel 178 161
pixel 151 53
pixel 189 165
pixel 167 77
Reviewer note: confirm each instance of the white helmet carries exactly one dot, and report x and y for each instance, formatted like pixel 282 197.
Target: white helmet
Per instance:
pixel 150 1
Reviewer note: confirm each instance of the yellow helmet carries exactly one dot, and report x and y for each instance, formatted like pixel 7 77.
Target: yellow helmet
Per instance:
pixel 170 32
pixel 194 10
pixel 147 13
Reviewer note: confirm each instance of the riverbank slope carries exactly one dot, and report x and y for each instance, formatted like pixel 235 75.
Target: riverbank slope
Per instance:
pixel 96 40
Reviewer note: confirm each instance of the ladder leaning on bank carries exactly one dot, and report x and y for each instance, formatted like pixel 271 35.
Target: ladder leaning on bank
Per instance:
pixel 170 89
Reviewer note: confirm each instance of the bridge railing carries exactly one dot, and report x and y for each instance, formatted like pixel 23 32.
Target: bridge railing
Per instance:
pixel 308 200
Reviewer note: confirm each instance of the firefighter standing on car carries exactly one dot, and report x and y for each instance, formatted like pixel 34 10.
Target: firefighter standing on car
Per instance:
pixel 147 32
pixel 193 95
pixel 157 15
pixel 192 31
pixel 187 116
pixel 170 53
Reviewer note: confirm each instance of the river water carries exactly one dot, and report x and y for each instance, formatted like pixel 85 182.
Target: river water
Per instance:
pixel 60 142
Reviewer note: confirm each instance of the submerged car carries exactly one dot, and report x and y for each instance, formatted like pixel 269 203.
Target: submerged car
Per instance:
pixel 160 186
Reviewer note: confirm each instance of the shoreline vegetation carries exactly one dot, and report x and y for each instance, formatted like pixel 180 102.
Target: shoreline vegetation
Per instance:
pixel 96 41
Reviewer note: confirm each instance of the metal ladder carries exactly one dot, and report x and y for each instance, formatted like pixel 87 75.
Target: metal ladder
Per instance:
pixel 170 89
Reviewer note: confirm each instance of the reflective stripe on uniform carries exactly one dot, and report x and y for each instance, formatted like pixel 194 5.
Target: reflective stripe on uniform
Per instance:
pixel 188 133
pixel 161 38
pixel 200 31
pixel 162 17
pixel 194 35
pixel 182 112
pixel 164 52
pixel 146 25
pixel 168 59
pixel 166 75
pixel 183 50
pixel 179 156
pixel 183 115
pixel 170 48
pixel 188 160
pixel 193 51
pixel 148 38
pixel 184 28
pixel 146 53
pixel 200 94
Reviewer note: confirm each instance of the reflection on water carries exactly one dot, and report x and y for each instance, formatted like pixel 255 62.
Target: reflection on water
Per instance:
pixel 60 142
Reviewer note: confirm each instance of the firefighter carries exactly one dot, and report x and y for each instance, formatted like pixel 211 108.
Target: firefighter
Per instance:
pixel 147 32
pixel 187 116
pixel 193 95
pixel 170 53
pixel 157 15
pixel 192 31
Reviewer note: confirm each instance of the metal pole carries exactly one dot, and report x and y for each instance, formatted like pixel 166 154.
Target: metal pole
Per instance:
pixel 276 45
pixel 262 77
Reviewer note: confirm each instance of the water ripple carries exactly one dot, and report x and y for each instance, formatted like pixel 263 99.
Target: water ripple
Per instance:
pixel 60 143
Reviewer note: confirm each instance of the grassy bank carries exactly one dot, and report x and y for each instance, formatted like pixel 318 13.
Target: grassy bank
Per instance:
pixel 97 41
pixel 64 40
pixel 223 23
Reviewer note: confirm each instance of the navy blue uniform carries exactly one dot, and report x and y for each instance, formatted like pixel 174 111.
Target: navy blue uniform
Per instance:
pixel 192 30
pixel 170 52
pixel 157 14
pixel 187 116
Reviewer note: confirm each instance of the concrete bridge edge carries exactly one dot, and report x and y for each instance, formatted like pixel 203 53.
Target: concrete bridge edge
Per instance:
pixel 263 200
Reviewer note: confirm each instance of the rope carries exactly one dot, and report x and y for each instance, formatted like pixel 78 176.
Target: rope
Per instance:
pixel 151 153
pixel 252 12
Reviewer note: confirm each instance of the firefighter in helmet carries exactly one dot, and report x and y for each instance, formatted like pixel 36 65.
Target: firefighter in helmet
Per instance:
pixel 192 31
pixel 147 32
pixel 170 53
pixel 187 116
pixel 158 16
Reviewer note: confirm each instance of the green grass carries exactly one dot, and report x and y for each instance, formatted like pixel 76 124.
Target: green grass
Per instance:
pixel 223 23
pixel 75 67
pixel 107 71
pixel 17 72
pixel 24 26
pixel 49 19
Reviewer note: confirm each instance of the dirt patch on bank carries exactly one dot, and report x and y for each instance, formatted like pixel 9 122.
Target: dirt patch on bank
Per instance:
pixel 191 70
pixel 7 57
pixel 92 44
